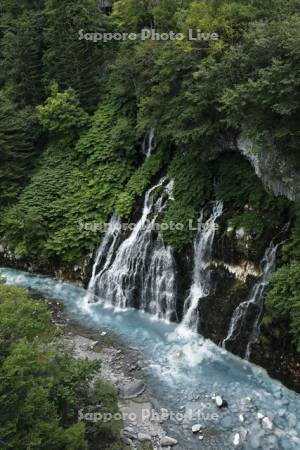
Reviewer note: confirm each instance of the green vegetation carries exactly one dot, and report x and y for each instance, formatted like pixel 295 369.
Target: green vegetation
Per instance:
pixel 75 184
pixel 138 183
pixel 252 208
pixel 43 387
pixel 283 299
pixel 192 189
pixel 73 114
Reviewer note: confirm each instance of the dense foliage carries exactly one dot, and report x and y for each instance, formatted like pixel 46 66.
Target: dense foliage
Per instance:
pixel 74 113
pixel 43 387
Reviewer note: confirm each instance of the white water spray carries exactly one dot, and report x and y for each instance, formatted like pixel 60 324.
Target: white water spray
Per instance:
pixel 141 273
pixel 201 277
pixel 103 257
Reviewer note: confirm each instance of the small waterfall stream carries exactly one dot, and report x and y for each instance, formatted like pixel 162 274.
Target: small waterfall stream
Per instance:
pixel 201 276
pixel 246 318
pixel 141 272
pixel 148 143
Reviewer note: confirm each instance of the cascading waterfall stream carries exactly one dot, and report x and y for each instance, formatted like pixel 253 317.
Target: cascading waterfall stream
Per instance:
pixel 103 256
pixel 201 277
pixel 247 316
pixel 141 272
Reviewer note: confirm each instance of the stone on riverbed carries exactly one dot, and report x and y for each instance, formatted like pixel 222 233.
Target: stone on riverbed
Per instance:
pixel 220 402
pixel 267 424
pixel 196 428
pixel 132 390
pixel 167 441
pixel 93 345
pixel 237 440
pixel 143 437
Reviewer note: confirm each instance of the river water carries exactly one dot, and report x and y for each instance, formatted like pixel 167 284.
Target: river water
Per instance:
pixel 185 371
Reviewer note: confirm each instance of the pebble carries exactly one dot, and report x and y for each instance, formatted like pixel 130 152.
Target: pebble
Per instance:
pixel 260 416
pixel 241 418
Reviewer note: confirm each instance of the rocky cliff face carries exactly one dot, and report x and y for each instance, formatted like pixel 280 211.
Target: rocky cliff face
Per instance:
pixel 279 171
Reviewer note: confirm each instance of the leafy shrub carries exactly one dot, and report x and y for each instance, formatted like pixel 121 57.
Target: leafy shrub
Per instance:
pixel 43 387
pixel 138 183
pixel 73 185
pixel 283 298
pixel 192 189
pixel 252 208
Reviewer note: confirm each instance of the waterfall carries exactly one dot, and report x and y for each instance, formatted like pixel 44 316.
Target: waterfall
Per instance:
pixel 158 293
pixel 141 272
pixel 200 287
pixel 104 255
pixel 148 143
pixel 245 322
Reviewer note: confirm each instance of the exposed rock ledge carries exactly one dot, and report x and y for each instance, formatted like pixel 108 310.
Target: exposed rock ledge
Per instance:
pixel 276 170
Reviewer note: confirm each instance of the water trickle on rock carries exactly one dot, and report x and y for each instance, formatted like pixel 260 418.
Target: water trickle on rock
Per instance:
pixel 247 316
pixel 201 283
pixel 148 143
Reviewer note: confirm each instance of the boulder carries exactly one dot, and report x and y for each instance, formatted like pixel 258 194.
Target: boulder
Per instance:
pixel 143 437
pixel 237 440
pixel 196 428
pixel 267 424
pixel 220 402
pixel 132 390
pixel 167 441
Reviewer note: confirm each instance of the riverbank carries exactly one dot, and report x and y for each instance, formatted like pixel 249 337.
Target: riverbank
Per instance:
pixel 145 422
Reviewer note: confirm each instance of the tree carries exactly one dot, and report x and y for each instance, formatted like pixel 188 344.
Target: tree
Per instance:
pixel 43 387
pixel 19 143
pixel 74 63
pixel 62 115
